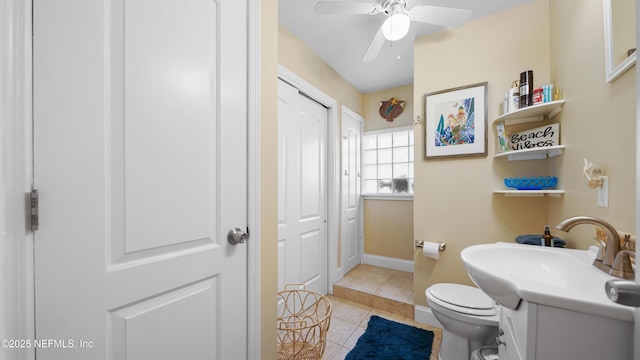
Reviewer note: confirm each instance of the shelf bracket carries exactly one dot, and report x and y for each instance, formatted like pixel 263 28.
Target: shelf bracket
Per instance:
pixel 554 112
pixel 536 156
pixel 555 152
pixel 523 120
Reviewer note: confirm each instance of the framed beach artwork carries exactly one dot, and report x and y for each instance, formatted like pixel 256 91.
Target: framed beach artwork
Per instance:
pixel 456 122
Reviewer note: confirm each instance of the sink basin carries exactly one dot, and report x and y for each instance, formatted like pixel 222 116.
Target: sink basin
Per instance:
pixel 562 278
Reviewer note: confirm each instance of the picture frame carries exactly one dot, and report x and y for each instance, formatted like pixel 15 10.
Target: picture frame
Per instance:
pixel 456 122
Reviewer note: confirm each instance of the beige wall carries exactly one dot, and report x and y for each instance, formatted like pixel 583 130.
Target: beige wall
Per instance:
pixel 294 55
pixel 268 177
pixel 597 122
pixel 388 228
pixel 388 224
pixel 453 199
pixel 371 107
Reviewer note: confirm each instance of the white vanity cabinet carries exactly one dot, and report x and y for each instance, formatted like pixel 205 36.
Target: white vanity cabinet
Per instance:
pixel 534 331
pixel 512 335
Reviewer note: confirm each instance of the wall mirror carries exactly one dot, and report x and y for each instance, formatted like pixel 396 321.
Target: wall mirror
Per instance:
pixel 619 37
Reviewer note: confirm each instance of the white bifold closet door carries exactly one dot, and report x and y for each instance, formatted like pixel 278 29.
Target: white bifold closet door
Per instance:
pixel 302 190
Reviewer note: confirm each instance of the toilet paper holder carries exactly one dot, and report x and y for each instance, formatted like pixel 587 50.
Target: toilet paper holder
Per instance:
pixel 441 247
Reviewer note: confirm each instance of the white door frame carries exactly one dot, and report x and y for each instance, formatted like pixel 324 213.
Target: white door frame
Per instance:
pixel 253 180
pixel 16 98
pixel 636 342
pixel 333 169
pixel 360 232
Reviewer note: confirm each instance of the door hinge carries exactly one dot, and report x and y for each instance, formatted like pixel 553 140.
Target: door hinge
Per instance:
pixel 33 210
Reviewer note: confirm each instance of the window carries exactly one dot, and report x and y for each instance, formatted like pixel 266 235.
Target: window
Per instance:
pixel 388 161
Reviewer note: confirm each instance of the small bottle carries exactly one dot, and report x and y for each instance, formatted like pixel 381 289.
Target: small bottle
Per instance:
pixel 526 88
pixel 538 96
pixel 547 238
pixel 557 95
pixel 514 97
pixel 546 95
pixel 502 141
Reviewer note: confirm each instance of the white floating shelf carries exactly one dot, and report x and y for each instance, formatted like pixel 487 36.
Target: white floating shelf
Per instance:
pixel 533 154
pixel 531 113
pixel 530 193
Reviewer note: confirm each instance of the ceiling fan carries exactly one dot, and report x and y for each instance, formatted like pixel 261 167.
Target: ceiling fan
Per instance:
pixel 399 13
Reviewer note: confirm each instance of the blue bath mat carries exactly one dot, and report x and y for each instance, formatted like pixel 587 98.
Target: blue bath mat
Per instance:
pixel 389 340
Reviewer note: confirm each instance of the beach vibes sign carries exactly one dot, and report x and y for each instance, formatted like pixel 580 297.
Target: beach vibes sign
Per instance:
pixel 544 136
pixel 456 122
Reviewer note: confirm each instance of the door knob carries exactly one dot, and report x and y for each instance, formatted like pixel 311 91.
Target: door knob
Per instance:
pixel 624 292
pixel 237 236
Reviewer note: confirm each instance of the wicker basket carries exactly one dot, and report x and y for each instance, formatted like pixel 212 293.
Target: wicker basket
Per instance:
pixel 303 322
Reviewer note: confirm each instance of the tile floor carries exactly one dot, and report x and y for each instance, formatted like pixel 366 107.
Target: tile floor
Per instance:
pixel 350 316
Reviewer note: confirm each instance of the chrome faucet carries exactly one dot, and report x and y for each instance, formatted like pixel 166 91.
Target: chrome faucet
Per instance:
pixel 612 247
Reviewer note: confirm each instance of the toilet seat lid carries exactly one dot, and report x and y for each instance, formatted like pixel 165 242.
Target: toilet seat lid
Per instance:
pixel 463 296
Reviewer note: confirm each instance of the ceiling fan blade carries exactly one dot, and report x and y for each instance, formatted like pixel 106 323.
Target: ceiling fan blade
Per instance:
pixel 374 47
pixel 443 16
pixel 341 7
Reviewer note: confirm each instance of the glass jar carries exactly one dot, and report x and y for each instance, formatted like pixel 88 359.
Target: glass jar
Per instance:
pixel 538 96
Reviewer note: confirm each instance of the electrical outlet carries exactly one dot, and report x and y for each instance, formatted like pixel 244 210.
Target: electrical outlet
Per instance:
pixel 603 192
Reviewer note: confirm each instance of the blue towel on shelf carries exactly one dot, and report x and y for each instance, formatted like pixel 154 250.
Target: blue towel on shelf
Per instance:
pixel 534 239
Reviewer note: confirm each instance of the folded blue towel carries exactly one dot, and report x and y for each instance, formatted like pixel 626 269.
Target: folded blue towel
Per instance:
pixel 534 239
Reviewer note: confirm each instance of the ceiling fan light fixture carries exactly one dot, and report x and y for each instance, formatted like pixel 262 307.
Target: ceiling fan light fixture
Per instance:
pixel 396 26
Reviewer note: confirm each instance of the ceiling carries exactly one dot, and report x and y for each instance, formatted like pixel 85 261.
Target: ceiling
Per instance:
pixel 341 40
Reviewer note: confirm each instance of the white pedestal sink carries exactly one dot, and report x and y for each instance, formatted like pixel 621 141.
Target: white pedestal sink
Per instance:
pixel 554 302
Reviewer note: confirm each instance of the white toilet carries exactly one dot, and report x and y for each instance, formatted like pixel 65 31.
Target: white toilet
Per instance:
pixel 469 318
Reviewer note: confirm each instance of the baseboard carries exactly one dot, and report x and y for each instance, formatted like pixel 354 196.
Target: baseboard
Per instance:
pixel 424 315
pixel 388 262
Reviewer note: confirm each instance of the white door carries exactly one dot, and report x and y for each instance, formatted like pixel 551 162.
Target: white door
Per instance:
pixel 140 153
pixel 636 338
pixel 351 243
pixel 302 195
